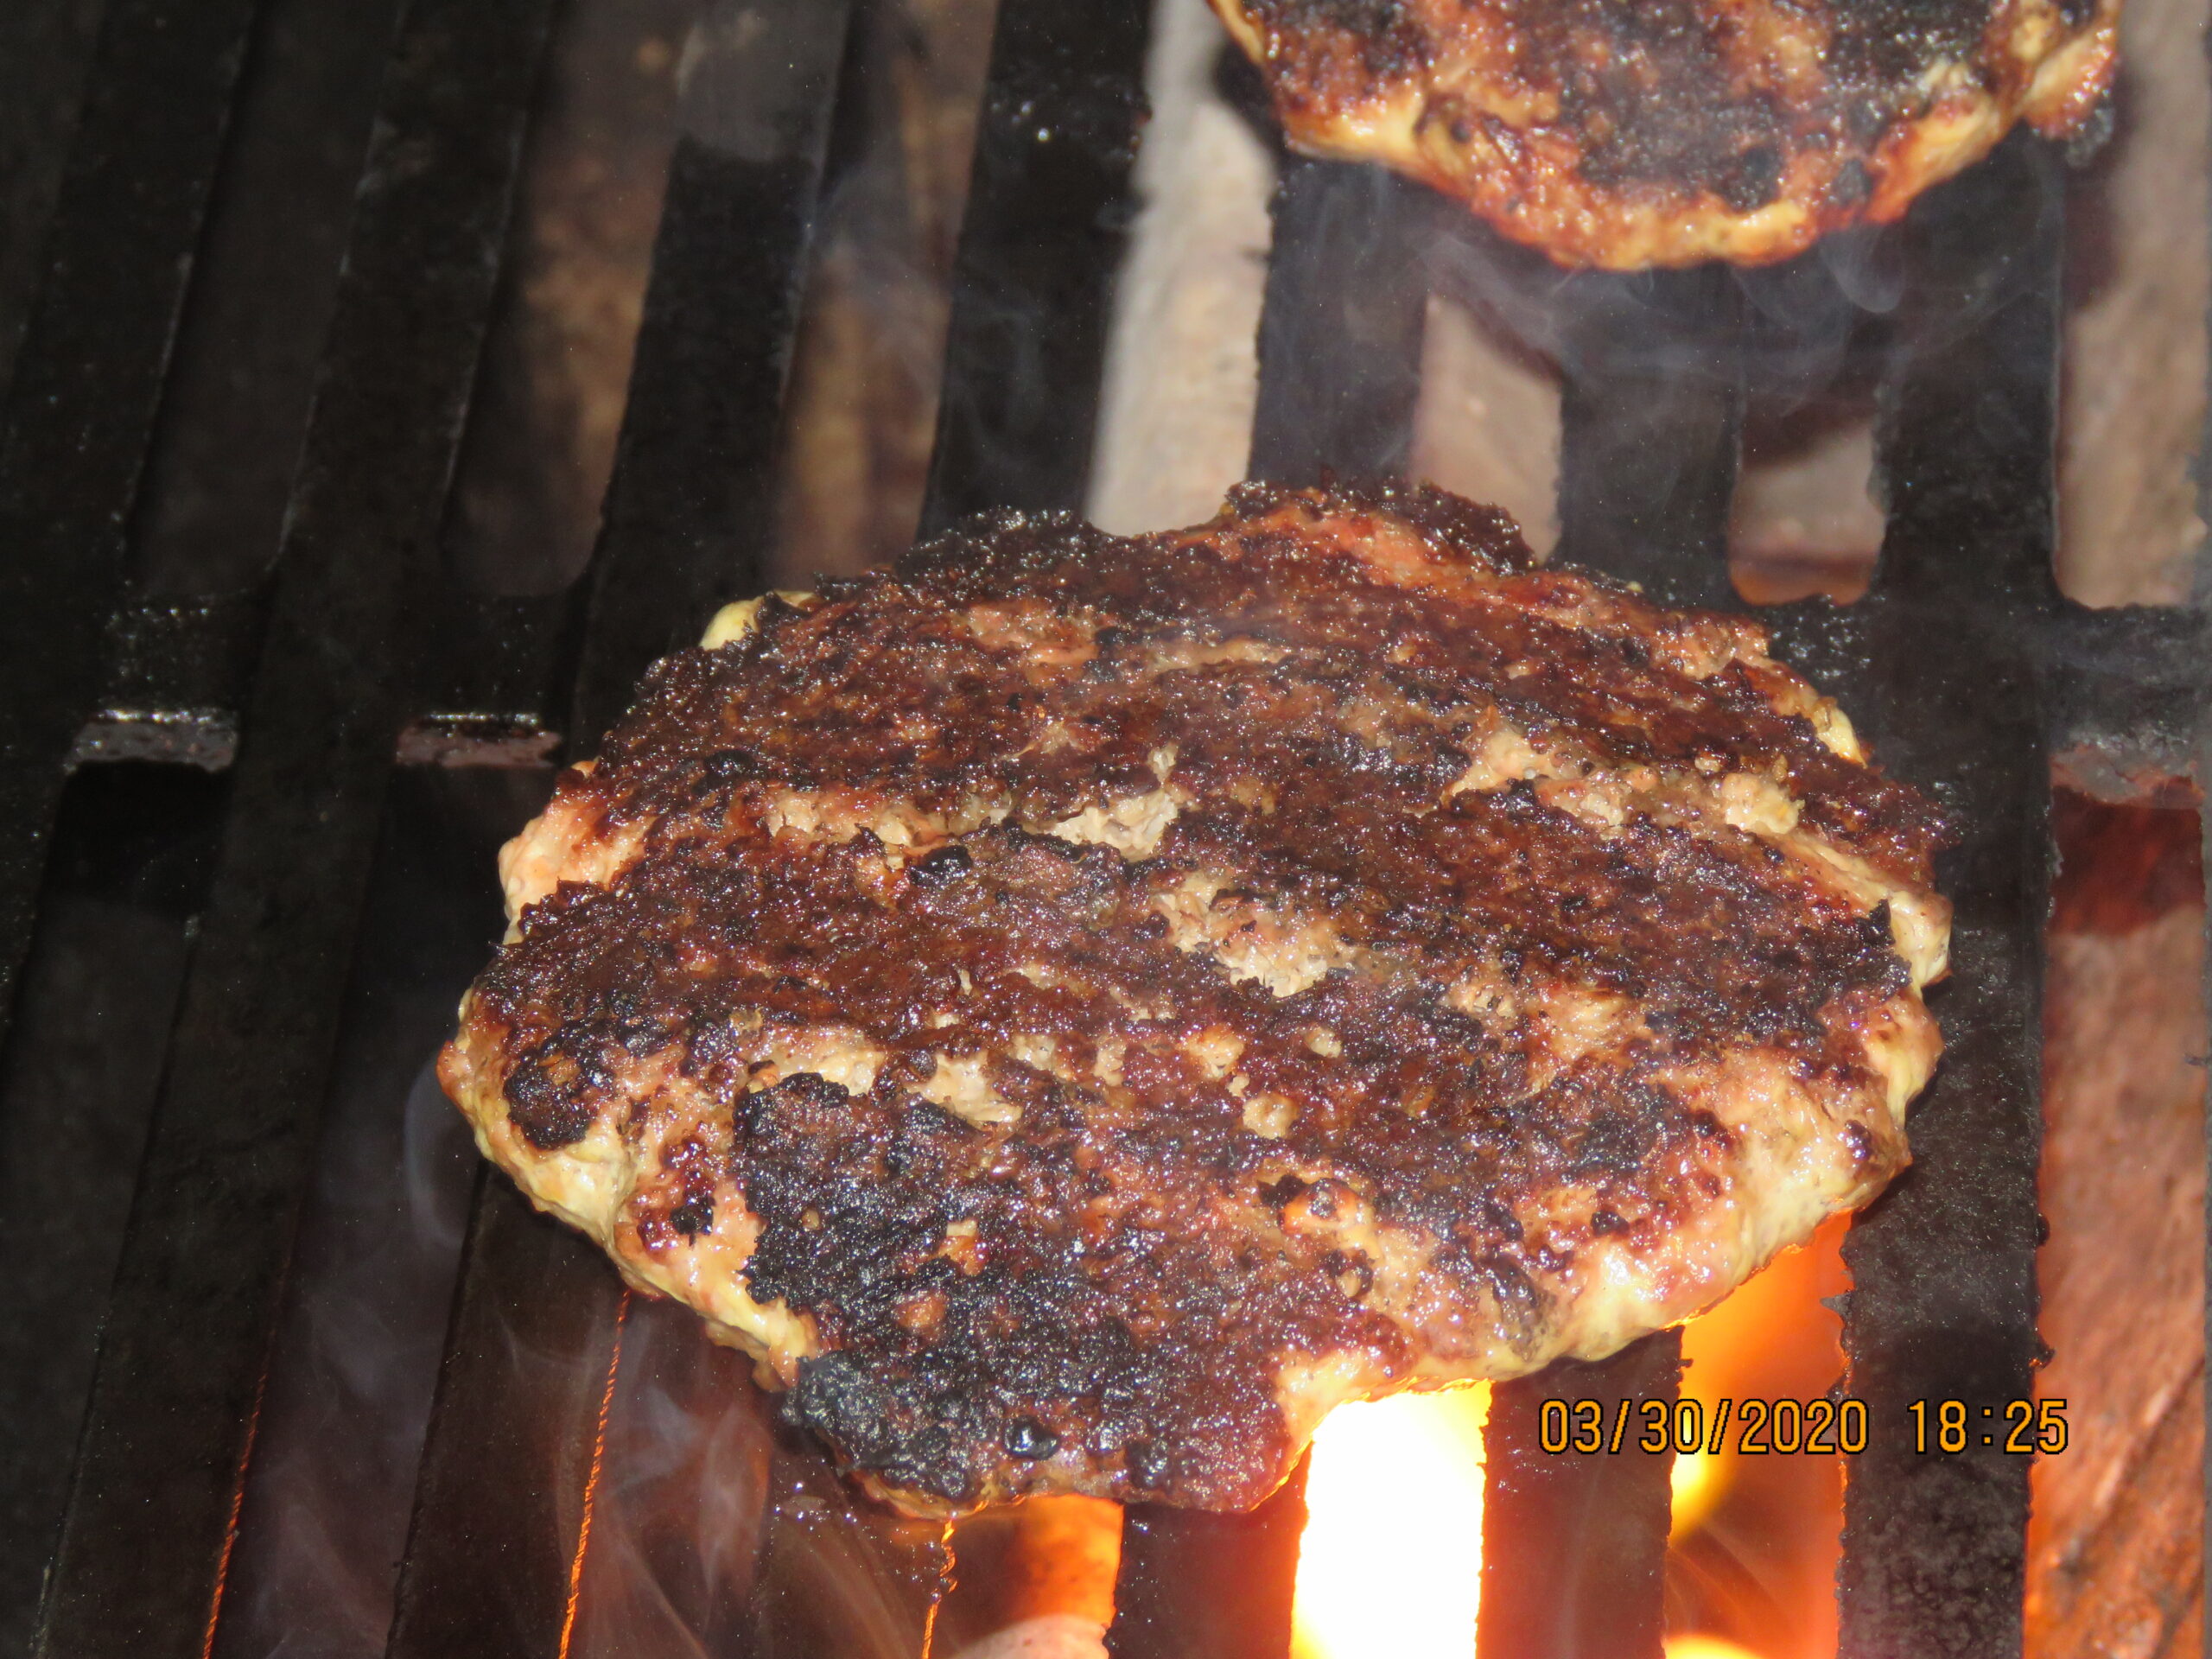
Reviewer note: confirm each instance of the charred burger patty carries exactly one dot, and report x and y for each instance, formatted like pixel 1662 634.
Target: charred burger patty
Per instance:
pixel 1076 1010
pixel 1625 133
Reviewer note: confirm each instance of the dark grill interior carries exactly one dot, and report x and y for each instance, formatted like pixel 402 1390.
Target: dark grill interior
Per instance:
pixel 327 731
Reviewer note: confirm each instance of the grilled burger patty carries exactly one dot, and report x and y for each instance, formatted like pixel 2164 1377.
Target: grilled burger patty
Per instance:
pixel 1625 133
pixel 1076 1010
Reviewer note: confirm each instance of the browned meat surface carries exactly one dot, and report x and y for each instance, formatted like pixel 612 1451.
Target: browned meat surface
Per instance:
pixel 1625 133
pixel 1077 1009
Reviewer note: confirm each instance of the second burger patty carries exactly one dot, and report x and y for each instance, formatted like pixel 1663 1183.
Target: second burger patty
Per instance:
pixel 1076 1010
pixel 1625 133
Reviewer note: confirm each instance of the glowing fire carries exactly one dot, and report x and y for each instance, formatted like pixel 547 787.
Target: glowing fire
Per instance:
pixel 1693 1486
pixel 1707 1647
pixel 1391 1563
pixel 1391 1566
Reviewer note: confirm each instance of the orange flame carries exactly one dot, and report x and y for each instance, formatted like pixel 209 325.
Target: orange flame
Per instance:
pixel 1391 1566
pixel 1391 1562
pixel 1707 1647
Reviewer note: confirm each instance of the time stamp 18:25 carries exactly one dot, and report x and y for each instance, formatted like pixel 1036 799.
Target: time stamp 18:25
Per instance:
pixel 1764 1427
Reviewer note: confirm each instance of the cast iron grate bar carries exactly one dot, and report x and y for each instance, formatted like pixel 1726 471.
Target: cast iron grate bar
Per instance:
pixel 690 511
pixel 1025 357
pixel 500 1496
pixel 1048 207
pixel 1956 659
pixel 1943 1268
pixel 208 520
pixel 87 389
pixel 1574 1545
pixel 177 673
pixel 1197 1586
pixel 127 872
pixel 170 1422
pixel 233 412
pixel 1040 239
pixel 2126 694
pixel 1651 412
pixel 533 1337
pixel 688 520
pixel 331 1484
pixel 1340 344
pixel 837 1575
pixel 210 517
pixel 1342 324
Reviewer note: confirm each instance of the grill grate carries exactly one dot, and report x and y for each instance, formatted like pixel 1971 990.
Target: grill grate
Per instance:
pixel 1964 665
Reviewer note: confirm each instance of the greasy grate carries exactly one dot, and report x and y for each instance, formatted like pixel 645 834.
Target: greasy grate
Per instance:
pixel 1964 665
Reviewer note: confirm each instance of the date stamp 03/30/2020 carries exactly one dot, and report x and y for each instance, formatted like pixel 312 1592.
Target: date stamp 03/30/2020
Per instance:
pixel 1809 1427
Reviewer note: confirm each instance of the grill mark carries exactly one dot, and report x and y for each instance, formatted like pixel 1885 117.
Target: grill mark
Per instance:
pixel 1509 851
pixel 1480 876
pixel 1340 629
